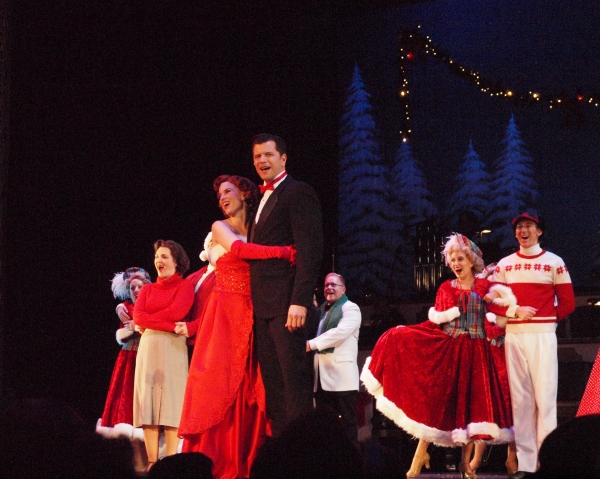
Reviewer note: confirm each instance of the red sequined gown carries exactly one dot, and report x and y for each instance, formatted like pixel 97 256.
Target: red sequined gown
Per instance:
pixel 224 411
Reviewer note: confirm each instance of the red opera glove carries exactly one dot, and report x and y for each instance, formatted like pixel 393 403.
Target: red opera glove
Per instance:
pixel 255 251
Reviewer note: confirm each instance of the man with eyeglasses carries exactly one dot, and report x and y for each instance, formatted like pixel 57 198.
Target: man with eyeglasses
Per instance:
pixel 336 346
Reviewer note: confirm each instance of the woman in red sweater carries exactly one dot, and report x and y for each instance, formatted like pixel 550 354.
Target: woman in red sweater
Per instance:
pixel 162 360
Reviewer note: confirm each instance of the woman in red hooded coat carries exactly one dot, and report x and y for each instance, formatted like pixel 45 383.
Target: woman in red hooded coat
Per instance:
pixel 437 380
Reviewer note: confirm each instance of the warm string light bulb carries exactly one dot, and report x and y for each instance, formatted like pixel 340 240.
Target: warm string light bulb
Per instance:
pixel 424 44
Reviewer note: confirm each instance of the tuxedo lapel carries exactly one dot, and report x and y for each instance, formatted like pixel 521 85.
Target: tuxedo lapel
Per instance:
pixel 251 229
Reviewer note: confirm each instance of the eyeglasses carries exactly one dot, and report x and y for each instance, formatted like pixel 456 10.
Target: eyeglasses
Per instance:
pixel 332 285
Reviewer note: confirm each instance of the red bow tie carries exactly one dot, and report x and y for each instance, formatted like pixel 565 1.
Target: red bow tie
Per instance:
pixel 271 184
pixel 268 186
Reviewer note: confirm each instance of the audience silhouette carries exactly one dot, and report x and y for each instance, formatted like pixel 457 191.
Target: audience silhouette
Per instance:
pixel 44 438
pixel 312 445
pixel 571 450
pixel 186 465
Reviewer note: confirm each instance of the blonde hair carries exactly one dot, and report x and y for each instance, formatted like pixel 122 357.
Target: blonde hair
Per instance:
pixel 473 257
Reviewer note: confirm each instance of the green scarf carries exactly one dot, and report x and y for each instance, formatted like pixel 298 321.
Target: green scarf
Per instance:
pixel 333 317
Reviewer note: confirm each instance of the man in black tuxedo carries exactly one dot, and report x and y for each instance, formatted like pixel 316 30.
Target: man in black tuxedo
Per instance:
pixel 289 213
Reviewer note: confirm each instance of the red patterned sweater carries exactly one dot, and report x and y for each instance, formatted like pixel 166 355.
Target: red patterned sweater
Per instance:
pixel 538 279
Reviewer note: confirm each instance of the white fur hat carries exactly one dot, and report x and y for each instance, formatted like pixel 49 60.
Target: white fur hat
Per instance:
pixel 120 283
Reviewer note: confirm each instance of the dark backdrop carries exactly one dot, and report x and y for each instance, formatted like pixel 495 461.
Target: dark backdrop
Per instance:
pixel 121 117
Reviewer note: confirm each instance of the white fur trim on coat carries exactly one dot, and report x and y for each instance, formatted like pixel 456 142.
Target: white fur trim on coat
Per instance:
pixel 440 317
pixel 430 434
pixel 371 384
pixel 120 430
pixel 122 335
pixel 491 317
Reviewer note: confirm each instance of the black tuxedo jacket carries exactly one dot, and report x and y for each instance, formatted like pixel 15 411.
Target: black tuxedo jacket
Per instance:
pixel 291 215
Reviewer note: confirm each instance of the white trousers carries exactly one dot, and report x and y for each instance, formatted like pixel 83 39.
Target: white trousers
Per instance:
pixel 532 365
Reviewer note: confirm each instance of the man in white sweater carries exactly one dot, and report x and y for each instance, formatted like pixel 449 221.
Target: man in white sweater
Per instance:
pixel 542 285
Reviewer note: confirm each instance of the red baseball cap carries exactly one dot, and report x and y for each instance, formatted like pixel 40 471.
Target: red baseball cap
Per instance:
pixel 528 217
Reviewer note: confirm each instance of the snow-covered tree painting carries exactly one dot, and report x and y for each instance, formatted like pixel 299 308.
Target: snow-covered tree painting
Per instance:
pixel 472 189
pixel 409 187
pixel 513 189
pixel 594 269
pixel 412 204
pixel 363 253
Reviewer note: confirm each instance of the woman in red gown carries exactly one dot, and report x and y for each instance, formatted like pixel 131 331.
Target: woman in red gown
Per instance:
pixel 437 380
pixel 224 411
pixel 117 418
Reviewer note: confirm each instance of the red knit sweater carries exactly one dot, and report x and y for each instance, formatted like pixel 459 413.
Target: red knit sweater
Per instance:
pixel 160 305
pixel 541 281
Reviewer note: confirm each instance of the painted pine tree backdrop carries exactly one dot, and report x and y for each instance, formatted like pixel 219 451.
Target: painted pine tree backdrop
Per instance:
pixel 379 206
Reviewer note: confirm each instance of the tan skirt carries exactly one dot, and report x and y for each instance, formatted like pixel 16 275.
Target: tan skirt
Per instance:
pixel 160 376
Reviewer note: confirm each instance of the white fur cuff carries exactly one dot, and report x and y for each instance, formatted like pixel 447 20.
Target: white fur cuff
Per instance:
pixel 507 297
pixel 440 317
pixel 491 317
pixel 122 335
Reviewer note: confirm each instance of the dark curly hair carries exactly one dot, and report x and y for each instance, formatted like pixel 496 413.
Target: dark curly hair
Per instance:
pixel 178 253
pixel 247 187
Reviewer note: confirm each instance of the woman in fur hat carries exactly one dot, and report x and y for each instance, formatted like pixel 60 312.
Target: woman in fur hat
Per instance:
pixel 117 418
pixel 436 380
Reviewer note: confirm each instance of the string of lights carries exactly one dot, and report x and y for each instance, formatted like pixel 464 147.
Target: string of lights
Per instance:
pixel 415 48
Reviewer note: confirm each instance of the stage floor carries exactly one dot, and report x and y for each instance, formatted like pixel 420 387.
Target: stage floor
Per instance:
pixel 434 475
pixel 455 475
